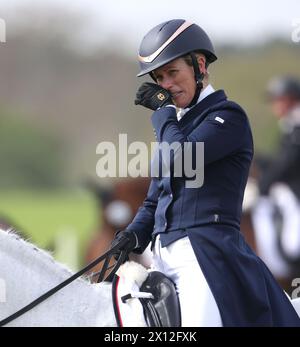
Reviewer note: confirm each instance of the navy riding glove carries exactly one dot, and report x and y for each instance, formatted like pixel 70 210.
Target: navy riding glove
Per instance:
pixel 130 242
pixel 152 96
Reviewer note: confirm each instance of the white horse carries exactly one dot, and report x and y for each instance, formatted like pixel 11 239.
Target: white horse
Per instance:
pixel 27 272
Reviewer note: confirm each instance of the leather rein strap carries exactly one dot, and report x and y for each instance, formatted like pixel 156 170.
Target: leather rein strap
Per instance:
pixel 107 256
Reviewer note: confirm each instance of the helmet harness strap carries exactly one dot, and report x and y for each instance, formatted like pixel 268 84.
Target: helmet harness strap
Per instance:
pixel 152 76
pixel 198 78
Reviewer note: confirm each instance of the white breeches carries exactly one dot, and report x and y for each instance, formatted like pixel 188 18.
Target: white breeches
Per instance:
pixel 179 263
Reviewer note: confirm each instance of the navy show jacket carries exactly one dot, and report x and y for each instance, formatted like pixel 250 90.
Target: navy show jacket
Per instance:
pixel 244 289
pixel 170 207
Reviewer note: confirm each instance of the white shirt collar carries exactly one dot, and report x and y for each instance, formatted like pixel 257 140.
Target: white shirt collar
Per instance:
pixel 204 93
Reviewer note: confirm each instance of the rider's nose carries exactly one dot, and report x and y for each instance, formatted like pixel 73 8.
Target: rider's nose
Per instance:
pixel 167 83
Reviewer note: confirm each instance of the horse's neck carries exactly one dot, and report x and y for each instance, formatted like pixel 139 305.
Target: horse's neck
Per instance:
pixel 26 273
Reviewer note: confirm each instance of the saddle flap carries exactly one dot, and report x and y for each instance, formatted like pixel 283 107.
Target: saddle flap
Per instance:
pixel 164 308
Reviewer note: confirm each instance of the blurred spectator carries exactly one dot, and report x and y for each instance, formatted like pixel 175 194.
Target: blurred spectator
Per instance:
pixel 276 216
pixel 284 96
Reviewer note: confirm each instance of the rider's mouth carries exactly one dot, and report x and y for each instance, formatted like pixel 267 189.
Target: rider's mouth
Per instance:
pixel 175 95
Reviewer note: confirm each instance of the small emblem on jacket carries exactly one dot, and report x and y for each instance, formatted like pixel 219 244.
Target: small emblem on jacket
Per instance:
pixel 219 119
pixel 217 218
pixel 161 96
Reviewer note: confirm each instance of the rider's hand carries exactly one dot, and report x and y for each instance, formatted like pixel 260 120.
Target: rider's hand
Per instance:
pixel 130 242
pixel 151 95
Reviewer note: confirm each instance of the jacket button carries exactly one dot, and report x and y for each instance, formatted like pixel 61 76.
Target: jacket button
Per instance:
pixel 171 196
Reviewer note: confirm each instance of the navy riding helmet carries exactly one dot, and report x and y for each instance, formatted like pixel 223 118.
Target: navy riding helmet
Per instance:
pixel 171 40
pixel 284 86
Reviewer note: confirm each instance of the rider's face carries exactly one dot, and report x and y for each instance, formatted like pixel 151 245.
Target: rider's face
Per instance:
pixel 178 78
pixel 282 105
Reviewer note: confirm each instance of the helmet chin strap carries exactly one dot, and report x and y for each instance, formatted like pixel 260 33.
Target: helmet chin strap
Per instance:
pixel 152 76
pixel 198 78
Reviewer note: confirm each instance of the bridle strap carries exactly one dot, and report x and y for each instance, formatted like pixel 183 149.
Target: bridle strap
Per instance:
pixel 54 290
pixel 104 269
pixel 122 258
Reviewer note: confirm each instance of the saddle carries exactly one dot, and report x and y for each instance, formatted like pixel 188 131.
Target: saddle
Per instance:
pixel 150 296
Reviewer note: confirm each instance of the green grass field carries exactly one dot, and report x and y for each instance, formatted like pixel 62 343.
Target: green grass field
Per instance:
pixel 49 218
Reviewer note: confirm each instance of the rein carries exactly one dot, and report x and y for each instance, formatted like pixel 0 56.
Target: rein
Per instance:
pixel 107 256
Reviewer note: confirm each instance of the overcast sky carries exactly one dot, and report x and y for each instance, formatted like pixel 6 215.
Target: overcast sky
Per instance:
pixel 230 21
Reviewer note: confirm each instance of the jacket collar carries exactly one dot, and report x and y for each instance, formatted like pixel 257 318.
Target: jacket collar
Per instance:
pixel 204 93
pixel 210 100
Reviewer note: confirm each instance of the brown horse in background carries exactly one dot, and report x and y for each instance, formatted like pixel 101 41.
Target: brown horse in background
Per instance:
pixel 118 204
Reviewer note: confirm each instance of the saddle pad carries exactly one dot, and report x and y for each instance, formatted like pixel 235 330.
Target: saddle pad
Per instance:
pixel 129 312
